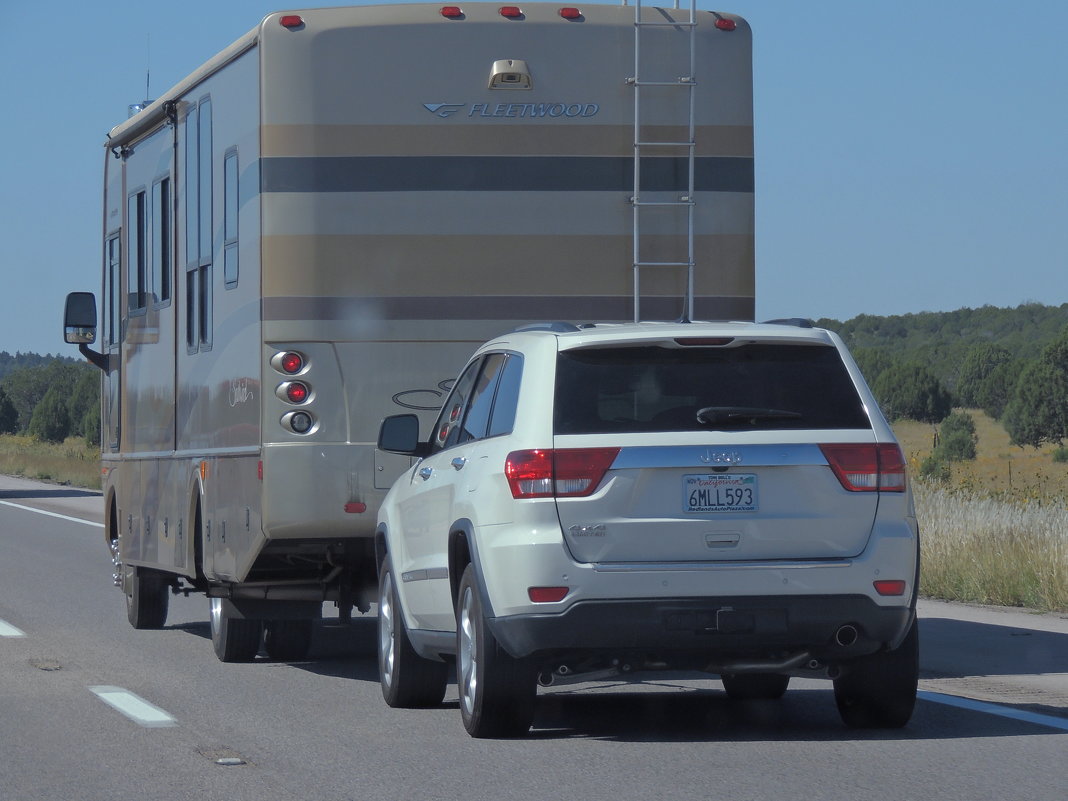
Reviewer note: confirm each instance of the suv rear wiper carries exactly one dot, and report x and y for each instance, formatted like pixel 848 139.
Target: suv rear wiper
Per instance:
pixel 741 415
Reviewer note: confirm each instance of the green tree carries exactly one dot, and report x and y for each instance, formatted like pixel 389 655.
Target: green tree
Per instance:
pixel 913 392
pixel 51 420
pixel 1038 410
pixel 979 362
pixel 996 389
pixel 9 416
pixel 957 439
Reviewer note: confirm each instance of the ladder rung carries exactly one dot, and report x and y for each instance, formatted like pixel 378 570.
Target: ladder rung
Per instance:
pixel 665 144
pixel 641 203
pixel 664 24
pixel 681 81
pixel 664 264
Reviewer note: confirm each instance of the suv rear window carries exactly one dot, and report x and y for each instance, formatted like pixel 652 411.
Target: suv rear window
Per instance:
pixel 750 387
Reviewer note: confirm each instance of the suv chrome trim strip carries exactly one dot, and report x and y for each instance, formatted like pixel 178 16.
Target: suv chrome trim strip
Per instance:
pixel 681 567
pixel 712 457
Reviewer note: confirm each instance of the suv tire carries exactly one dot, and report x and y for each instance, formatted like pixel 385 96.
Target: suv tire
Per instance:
pixel 497 692
pixel 879 691
pixel 408 680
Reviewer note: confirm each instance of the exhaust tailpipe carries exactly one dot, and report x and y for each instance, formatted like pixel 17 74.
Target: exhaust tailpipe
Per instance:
pixel 846 635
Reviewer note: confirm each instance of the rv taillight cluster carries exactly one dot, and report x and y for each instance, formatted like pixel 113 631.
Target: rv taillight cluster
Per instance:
pixel 509 12
pixel 290 363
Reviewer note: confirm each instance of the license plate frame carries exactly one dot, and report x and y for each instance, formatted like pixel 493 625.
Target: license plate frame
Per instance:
pixel 715 493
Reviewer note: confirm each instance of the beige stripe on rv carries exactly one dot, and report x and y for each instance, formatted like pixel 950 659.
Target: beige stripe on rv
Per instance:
pixel 397 266
pixel 494 140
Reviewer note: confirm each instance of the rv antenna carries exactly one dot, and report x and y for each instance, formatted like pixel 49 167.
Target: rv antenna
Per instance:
pixel 136 108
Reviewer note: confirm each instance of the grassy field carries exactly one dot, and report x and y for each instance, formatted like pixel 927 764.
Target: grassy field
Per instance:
pixel 996 532
pixel 71 462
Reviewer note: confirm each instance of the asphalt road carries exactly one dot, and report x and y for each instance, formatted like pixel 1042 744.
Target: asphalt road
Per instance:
pixel 992 722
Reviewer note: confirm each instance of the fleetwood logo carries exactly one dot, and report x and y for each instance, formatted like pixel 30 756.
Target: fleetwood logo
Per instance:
pixel 514 110
pixel 721 457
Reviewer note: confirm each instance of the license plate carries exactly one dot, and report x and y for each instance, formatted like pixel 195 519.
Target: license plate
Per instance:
pixel 719 492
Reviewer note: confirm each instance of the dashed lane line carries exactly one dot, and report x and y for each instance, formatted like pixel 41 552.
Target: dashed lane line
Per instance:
pixel 52 514
pixel 134 707
pixel 994 709
pixel 7 630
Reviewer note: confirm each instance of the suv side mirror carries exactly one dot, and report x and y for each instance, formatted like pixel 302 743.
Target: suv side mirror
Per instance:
pixel 400 434
pixel 79 319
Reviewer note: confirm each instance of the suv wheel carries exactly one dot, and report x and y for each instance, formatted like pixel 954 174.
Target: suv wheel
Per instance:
pixel 497 692
pixel 408 680
pixel 755 686
pixel 879 691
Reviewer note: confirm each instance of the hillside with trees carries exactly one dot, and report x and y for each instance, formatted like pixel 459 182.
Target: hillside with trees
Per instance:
pixel 1011 363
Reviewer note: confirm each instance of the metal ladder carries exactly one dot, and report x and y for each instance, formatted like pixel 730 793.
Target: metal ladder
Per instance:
pixel 687 201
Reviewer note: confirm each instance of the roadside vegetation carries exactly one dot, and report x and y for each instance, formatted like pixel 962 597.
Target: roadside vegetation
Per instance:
pixel 72 461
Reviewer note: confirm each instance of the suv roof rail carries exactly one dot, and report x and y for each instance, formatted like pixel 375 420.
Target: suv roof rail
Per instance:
pixel 797 322
pixel 559 327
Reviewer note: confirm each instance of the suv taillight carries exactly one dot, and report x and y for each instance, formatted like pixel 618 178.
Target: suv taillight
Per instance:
pixel 867 467
pixel 564 473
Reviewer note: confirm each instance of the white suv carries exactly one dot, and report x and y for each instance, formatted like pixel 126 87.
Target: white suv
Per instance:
pixel 722 497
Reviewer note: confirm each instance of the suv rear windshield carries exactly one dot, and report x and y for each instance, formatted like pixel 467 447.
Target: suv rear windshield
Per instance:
pixel 750 387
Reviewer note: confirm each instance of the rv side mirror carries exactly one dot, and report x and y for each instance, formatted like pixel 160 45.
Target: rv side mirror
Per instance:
pixel 400 434
pixel 79 319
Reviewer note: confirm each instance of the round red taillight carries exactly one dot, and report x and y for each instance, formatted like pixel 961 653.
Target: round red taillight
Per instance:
pixel 297 392
pixel 292 363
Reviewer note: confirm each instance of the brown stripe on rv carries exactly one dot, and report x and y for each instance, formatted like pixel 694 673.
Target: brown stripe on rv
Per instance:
pixel 500 307
pixel 504 265
pixel 493 140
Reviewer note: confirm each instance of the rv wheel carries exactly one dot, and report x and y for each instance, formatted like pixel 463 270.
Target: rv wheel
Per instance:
pixel 233 638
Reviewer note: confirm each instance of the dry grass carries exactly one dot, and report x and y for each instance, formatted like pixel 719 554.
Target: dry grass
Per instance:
pixel 997 531
pixel 71 462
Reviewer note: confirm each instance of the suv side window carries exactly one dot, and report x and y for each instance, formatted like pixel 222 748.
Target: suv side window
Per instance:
pixel 476 420
pixel 447 427
pixel 503 418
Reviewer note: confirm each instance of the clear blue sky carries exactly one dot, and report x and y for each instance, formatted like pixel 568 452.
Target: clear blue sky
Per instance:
pixel 910 156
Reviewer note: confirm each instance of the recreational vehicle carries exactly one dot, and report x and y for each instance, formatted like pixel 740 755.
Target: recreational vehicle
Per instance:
pixel 316 227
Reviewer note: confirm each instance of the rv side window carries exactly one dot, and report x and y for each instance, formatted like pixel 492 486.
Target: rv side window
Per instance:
pixel 161 241
pixel 230 211
pixel 112 292
pixel 192 192
pixel 204 161
pixel 135 252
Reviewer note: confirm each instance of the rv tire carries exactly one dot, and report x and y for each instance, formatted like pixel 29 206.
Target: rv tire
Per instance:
pixel 288 640
pixel 234 639
pixel 147 598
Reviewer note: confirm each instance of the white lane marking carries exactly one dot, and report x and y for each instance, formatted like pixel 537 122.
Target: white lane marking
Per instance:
pixel 7 630
pixel 994 709
pixel 52 514
pixel 134 707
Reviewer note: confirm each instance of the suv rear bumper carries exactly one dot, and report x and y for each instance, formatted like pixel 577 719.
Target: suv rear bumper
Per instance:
pixel 725 629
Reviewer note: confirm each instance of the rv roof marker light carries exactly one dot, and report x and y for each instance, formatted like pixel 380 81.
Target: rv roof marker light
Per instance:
pixel 291 21
pixel 570 12
pixel 725 24
pixel 452 12
pixel 511 12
